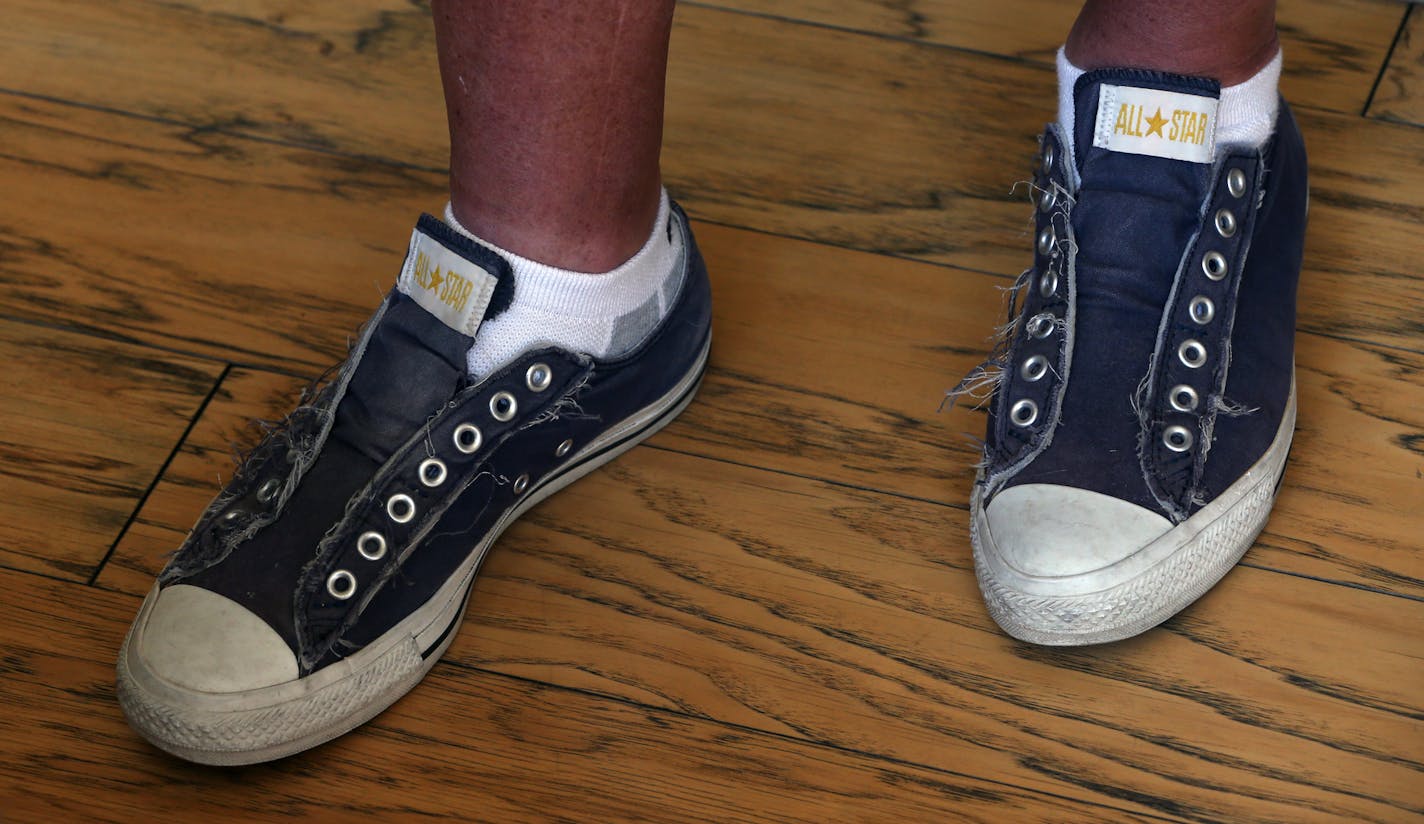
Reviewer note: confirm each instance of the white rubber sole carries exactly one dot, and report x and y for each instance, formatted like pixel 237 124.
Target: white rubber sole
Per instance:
pixel 229 729
pixel 1144 589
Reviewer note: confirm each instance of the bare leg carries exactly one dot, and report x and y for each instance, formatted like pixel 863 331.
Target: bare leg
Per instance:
pixel 556 111
pixel 1228 40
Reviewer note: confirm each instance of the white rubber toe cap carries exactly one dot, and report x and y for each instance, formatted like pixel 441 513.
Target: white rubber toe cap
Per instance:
pixel 200 640
pixel 1055 531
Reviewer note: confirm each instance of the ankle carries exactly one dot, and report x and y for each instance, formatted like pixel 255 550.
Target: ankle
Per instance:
pixel 602 314
pixel 570 236
pixel 1226 40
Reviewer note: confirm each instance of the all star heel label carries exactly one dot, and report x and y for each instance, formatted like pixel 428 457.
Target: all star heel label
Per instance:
pixel 1158 123
pixel 448 286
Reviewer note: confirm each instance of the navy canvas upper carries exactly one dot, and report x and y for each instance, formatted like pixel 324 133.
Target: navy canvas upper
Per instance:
pixel 1130 232
pixel 313 488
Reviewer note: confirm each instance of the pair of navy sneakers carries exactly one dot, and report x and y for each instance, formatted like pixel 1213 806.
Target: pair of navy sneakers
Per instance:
pixel 1143 413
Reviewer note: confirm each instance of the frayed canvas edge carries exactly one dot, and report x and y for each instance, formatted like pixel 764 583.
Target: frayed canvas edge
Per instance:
pixel 332 394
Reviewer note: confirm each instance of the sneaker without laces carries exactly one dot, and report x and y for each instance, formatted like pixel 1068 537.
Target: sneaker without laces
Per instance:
pixel 1146 403
pixel 331 574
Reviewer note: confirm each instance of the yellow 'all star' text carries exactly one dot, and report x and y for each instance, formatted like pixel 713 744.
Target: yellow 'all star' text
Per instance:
pixel 454 289
pixel 1186 126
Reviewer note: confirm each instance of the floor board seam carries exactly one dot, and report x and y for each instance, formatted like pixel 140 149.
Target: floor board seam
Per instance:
pixel 312 369
pixel 806 742
pixel 791 21
pixel 913 41
pixel 1384 67
pixel 1351 584
pixel 162 471
pixel 200 128
pixel 229 367
pixel 449 663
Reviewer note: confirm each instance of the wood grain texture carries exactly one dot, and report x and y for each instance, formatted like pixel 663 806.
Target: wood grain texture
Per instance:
pixel 891 147
pixel 1400 94
pixel 843 396
pixel 814 402
pixel 467 746
pixel 866 142
pixel 769 612
pixel 1334 48
pixel 852 617
pixel 88 425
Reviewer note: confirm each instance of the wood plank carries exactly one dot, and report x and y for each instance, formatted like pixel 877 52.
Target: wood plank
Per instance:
pixel 1400 95
pixel 861 410
pixel 1334 48
pixel 812 396
pixel 255 264
pixel 867 142
pixel 466 745
pixel 72 469
pixel 853 618
pixel 938 135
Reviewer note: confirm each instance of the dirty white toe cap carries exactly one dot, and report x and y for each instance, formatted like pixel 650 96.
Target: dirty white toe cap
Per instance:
pixel 1050 530
pixel 200 640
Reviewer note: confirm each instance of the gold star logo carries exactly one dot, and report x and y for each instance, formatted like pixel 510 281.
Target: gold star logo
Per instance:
pixel 1155 124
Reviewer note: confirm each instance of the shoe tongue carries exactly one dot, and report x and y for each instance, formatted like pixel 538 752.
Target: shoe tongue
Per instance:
pixel 1145 114
pixel 1137 208
pixel 1144 150
pixel 415 357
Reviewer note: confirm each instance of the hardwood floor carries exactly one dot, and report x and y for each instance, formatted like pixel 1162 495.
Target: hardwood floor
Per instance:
pixel 768 612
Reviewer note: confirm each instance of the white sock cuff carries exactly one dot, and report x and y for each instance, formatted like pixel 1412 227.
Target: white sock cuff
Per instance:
pixel 1068 75
pixel 1247 114
pixel 591 295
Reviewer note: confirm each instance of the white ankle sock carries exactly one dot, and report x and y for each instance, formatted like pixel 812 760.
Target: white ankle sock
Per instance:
pixel 603 315
pixel 1245 117
pixel 1068 75
pixel 1247 114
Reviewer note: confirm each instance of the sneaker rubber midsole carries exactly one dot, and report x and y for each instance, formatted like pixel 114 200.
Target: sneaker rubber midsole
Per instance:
pixel 1130 596
pixel 271 722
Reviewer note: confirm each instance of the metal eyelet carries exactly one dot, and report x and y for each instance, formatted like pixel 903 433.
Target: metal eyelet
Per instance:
pixel 1214 264
pixel 432 472
pixel 1047 199
pixel 1048 159
pixel 1048 284
pixel 1177 438
pixel 563 449
pixel 371 545
pixel 1046 239
pixel 1034 368
pixel 269 490
pixel 1024 412
pixel 1191 353
pixel 1040 326
pixel 1183 398
pixel 520 484
pixel 538 377
pixel 503 406
pixel 1236 182
pixel 232 515
pixel 1202 310
pixel 467 438
pixel 341 584
pixel 400 507
pixel 1225 222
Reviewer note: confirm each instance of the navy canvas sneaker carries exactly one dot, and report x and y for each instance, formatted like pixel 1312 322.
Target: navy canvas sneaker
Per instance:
pixel 1146 400
pixel 331 574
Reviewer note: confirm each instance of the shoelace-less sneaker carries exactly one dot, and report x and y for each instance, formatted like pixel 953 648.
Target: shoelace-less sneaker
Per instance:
pixel 1146 402
pixel 331 574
